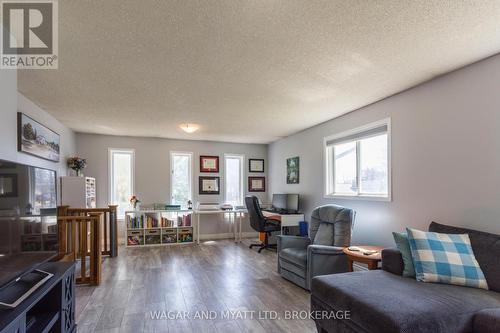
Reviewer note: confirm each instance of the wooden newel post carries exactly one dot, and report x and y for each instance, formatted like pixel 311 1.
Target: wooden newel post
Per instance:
pixel 113 230
pixel 95 249
pixel 62 231
pixel 62 210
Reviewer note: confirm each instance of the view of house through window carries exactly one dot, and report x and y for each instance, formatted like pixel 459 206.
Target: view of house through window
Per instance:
pixel 233 177
pixel 357 163
pixel 373 168
pixel 121 178
pixel 180 184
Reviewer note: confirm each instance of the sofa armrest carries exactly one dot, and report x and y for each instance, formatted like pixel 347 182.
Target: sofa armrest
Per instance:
pixel 285 242
pixel 392 261
pixel 487 321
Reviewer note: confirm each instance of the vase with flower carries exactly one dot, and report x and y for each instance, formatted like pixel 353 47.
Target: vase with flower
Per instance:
pixel 77 164
pixel 135 203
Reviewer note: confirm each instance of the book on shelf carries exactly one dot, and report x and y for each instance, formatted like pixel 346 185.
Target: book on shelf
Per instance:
pixel 184 220
pixel 167 222
pixel 135 222
pixel 151 222
pixel 172 207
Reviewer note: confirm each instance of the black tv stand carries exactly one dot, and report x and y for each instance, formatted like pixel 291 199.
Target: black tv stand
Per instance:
pixel 17 291
pixel 49 308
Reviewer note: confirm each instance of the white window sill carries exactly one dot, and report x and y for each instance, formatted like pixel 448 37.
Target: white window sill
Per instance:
pixel 358 197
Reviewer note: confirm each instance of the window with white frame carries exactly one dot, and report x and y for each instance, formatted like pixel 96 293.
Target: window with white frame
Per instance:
pixel 180 178
pixel 121 178
pixel 357 162
pixel 233 178
pixel 42 189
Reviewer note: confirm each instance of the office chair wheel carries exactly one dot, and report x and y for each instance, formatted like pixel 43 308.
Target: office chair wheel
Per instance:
pixel 260 250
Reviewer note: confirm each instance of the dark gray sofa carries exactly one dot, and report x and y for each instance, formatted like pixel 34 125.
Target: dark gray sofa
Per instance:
pixel 385 302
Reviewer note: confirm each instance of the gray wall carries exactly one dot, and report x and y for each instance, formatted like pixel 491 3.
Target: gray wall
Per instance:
pixel 10 102
pixel 152 167
pixel 445 156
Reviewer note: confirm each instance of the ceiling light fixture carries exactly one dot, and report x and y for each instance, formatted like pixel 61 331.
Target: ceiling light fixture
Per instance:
pixel 189 128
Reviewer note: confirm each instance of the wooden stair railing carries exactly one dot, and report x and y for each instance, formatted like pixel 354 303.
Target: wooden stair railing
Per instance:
pixel 109 225
pixel 79 238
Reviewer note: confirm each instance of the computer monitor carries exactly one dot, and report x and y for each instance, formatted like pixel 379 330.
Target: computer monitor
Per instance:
pixel 279 201
pixel 292 202
pixel 288 202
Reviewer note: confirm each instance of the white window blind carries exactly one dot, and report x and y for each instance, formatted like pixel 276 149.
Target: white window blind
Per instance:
pixel 357 162
pixel 233 179
pixel 121 178
pixel 181 178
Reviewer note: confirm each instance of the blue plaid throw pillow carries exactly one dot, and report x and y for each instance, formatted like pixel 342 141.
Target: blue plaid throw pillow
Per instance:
pixel 444 258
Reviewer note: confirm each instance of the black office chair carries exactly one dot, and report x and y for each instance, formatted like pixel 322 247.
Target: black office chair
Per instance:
pixel 260 223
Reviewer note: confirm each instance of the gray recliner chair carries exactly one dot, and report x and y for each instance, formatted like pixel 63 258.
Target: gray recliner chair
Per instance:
pixel 301 258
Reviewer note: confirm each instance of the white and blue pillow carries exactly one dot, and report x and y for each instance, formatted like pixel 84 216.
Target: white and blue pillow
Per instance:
pixel 445 258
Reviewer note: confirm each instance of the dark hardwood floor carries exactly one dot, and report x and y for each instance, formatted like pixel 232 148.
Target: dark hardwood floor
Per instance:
pixel 188 280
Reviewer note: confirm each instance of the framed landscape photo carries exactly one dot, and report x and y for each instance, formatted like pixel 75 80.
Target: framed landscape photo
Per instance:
pixel 209 185
pixel 292 170
pixel 209 164
pixel 256 165
pixel 35 139
pixel 256 184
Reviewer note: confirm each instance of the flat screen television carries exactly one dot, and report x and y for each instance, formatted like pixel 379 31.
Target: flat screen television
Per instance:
pixel 28 219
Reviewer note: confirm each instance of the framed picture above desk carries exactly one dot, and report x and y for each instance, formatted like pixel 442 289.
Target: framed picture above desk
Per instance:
pixel 209 164
pixel 256 165
pixel 256 184
pixel 209 185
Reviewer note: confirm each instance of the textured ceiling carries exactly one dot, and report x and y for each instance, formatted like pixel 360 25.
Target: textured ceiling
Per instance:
pixel 248 71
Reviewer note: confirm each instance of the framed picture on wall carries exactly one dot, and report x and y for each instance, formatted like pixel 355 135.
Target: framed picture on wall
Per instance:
pixel 35 139
pixel 256 184
pixel 292 170
pixel 209 164
pixel 209 185
pixel 8 185
pixel 255 165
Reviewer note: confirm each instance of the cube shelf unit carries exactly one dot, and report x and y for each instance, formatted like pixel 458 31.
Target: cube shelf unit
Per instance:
pixel 78 192
pixel 158 227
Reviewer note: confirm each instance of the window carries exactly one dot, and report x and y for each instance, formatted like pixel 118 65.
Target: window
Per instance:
pixel 357 163
pixel 180 178
pixel 121 178
pixel 233 178
pixel 42 189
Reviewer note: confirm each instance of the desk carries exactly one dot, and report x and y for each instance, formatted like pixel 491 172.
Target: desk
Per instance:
pixel 237 213
pixel 287 220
